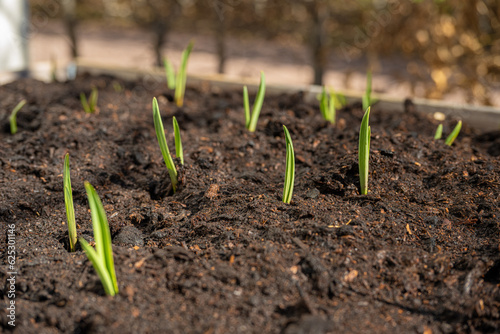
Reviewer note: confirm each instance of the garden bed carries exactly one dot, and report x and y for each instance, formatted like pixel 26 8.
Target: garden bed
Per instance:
pixel 224 254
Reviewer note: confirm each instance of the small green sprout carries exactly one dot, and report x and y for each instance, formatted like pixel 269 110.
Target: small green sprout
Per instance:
pixel 364 152
pixel 439 132
pixel 328 104
pixel 53 69
pixel 289 169
pixel 453 135
pixel 169 73
pixel 162 141
pixel 246 106
pixel 251 119
pixel 340 100
pixel 13 115
pixel 68 203
pixel 367 99
pixel 102 256
pixel 180 83
pixel 118 88
pixel 89 105
pixel 179 153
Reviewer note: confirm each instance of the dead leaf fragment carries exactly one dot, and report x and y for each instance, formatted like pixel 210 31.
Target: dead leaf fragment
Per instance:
pixel 212 191
pixel 350 276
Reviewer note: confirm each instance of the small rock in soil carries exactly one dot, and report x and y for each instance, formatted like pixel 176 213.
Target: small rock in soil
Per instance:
pixel 313 193
pixel 129 236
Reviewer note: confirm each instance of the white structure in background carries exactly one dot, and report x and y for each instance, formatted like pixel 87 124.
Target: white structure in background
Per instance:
pixel 14 24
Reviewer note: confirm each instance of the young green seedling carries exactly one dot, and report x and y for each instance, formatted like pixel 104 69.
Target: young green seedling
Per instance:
pixel 439 132
pixel 169 73
pixel 251 119
pixel 340 100
pixel 53 69
pixel 453 135
pixel 364 152
pixel 102 256
pixel 13 116
pixel 246 106
pixel 162 141
pixel 328 103
pixel 179 153
pixel 118 88
pixel 289 169
pixel 180 83
pixel 68 203
pixel 89 106
pixel 367 99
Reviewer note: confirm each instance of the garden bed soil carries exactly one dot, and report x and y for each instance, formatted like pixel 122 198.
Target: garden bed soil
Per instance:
pixel 224 254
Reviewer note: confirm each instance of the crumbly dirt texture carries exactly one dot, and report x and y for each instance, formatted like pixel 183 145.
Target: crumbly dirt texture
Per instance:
pixel 224 254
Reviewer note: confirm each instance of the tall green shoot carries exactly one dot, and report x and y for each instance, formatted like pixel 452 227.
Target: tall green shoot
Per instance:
pixel 251 119
pixel 180 83
pixel 162 141
pixel 179 153
pixel 13 116
pixel 68 203
pixel 454 134
pixel 289 169
pixel 367 96
pixel 102 256
pixel 364 152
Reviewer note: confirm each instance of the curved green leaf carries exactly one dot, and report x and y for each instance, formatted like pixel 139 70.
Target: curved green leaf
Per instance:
pixel 289 168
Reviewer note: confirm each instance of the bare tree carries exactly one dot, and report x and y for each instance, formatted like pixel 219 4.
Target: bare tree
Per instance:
pixel 220 17
pixel 70 24
pixel 319 13
pixel 156 16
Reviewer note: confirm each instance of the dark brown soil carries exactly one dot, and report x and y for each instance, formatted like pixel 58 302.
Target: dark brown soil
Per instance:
pixel 419 254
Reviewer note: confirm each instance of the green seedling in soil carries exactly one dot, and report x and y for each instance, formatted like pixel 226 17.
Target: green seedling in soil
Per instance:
pixel 367 96
pixel 53 69
pixel 179 153
pixel 251 119
pixel 162 141
pixel 289 169
pixel 68 203
pixel 439 132
pixel 364 152
pixel 180 82
pixel 454 134
pixel 89 105
pixel 340 100
pixel 13 117
pixel 118 88
pixel 169 73
pixel 328 104
pixel 102 256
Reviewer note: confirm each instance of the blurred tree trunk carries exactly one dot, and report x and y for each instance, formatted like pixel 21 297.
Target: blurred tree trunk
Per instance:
pixel 157 17
pixel 318 11
pixel 70 25
pixel 160 30
pixel 470 15
pixel 220 37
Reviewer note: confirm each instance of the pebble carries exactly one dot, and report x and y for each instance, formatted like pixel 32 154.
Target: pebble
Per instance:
pixel 313 193
pixel 129 236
